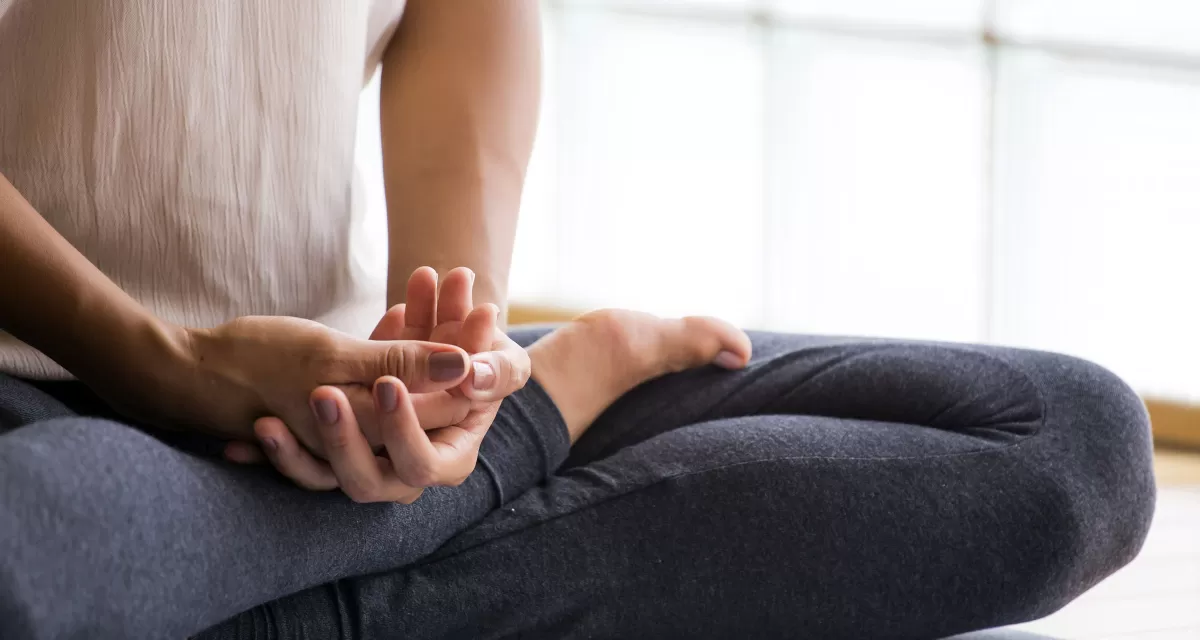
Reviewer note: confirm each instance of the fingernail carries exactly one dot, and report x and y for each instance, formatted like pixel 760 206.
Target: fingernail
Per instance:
pixel 326 410
pixel 270 445
pixel 485 376
pixel 728 360
pixel 389 396
pixel 446 366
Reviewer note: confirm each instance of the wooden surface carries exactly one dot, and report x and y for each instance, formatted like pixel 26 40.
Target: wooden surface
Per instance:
pixel 1156 597
pixel 524 313
pixel 1175 423
pixel 1177 468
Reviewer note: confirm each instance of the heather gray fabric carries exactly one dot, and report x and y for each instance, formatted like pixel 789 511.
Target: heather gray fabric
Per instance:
pixel 837 488
pixel 107 532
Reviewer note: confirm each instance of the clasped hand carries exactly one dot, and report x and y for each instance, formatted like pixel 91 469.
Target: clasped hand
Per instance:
pixel 391 448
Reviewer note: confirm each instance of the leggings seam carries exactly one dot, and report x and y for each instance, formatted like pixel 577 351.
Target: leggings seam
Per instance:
pixel 494 478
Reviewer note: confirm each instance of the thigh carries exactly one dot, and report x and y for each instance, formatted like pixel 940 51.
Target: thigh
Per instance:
pixel 107 529
pixel 960 392
pixel 842 489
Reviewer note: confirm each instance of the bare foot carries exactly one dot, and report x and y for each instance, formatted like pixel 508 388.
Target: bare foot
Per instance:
pixel 590 362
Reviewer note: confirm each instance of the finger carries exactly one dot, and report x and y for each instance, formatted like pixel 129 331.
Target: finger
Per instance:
pixel 446 332
pixel 454 298
pixel 422 366
pixel 391 325
pixel 497 374
pixel 420 314
pixel 353 462
pixel 410 494
pixel 460 443
pixel 244 453
pixel 439 409
pixel 362 406
pixel 478 330
pixel 291 459
pixel 434 410
pixel 415 459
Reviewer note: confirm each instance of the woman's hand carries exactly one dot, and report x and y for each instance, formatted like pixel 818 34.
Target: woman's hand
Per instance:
pixel 446 452
pixel 499 366
pixel 233 374
pixel 414 460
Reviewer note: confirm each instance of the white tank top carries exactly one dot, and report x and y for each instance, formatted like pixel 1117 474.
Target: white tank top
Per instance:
pixel 199 153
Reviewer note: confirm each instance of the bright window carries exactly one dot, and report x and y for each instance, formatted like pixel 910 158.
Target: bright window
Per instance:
pixel 1016 171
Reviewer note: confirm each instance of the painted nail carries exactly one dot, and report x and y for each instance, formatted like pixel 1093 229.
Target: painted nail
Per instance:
pixel 389 396
pixel 270 445
pixel 485 376
pixel 326 410
pixel 728 360
pixel 446 366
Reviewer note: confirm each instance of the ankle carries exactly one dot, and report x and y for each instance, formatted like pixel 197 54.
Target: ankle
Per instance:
pixel 555 380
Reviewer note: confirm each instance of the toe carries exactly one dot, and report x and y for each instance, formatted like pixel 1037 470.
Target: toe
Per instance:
pixel 712 340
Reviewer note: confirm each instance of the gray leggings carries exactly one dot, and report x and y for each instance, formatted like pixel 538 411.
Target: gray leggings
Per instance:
pixel 837 488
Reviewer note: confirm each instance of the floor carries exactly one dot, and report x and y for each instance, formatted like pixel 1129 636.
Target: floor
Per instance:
pixel 1157 597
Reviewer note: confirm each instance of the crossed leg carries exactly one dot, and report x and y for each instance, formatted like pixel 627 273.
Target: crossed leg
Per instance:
pixel 835 488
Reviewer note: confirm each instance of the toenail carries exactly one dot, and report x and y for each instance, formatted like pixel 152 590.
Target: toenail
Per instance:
pixel 728 360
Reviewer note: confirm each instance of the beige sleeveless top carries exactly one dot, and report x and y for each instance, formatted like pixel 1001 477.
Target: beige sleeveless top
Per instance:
pixel 200 153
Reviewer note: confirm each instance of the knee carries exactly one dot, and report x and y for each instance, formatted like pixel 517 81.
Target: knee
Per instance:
pixel 62 502
pixel 70 455
pixel 1093 468
pixel 75 475
pixel 1096 435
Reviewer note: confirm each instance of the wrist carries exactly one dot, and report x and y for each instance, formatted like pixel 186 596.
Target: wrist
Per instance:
pixel 164 350
pixel 135 357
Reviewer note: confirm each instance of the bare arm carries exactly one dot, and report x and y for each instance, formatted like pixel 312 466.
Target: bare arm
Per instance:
pixel 458 109
pixel 53 298
pixel 218 380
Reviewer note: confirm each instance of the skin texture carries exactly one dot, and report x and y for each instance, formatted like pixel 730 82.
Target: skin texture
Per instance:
pixel 458 112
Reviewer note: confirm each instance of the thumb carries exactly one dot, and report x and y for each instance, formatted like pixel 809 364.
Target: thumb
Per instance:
pixel 496 375
pixel 421 366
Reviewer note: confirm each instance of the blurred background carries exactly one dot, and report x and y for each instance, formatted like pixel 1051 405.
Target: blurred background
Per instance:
pixel 1024 172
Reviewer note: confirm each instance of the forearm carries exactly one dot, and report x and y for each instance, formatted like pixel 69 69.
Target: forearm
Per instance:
pixel 458 104
pixel 52 298
pixel 446 225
